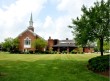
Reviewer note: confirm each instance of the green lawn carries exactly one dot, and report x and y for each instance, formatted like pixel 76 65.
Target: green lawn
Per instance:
pixel 47 67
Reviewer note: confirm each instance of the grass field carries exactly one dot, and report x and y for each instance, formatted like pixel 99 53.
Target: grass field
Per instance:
pixel 47 67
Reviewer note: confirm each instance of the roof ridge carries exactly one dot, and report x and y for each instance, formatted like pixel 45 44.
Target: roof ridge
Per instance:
pixel 31 32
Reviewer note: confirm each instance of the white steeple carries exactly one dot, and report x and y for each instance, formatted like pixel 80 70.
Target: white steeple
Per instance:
pixel 31 24
pixel 31 21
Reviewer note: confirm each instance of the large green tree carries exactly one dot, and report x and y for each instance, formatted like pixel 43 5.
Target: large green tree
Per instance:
pixel 10 44
pixel 39 44
pixel 7 44
pixel 94 24
pixel 15 45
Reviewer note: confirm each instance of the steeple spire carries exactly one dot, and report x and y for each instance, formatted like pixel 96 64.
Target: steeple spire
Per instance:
pixel 31 24
pixel 31 21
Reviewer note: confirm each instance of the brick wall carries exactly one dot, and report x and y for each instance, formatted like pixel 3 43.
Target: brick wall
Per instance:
pixel 88 50
pixel 50 43
pixel 22 37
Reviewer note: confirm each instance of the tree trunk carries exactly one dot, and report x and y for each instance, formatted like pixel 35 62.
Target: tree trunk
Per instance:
pixel 101 46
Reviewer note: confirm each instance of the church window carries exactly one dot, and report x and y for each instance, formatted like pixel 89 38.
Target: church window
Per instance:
pixel 27 41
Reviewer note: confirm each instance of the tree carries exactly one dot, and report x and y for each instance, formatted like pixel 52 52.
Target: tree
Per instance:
pixel 93 24
pixel 15 45
pixel 39 44
pixel 105 45
pixel 7 44
pixel 0 46
pixel 10 44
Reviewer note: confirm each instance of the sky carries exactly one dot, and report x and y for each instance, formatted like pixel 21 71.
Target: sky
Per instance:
pixel 50 17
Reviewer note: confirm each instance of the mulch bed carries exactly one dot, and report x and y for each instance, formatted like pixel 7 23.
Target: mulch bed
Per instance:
pixel 105 73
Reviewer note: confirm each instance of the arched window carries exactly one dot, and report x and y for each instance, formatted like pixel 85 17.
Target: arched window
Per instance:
pixel 27 42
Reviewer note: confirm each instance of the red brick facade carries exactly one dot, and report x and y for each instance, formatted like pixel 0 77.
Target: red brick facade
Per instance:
pixel 50 43
pixel 88 49
pixel 23 36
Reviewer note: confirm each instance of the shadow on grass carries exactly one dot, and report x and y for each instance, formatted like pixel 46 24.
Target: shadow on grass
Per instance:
pixel 47 70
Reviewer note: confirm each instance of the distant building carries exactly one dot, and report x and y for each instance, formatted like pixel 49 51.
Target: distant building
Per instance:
pixel 27 37
pixel 66 45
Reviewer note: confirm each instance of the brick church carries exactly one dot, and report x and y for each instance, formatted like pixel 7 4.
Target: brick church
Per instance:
pixel 28 36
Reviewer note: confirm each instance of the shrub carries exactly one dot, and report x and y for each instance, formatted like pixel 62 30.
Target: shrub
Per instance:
pixel 99 64
pixel 73 52
pixel 14 51
pixel 42 52
pixel 55 52
pixel 64 52
pixel 38 52
pixel 26 52
pixel 31 52
pixel 47 52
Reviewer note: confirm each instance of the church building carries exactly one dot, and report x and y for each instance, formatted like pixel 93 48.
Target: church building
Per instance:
pixel 27 37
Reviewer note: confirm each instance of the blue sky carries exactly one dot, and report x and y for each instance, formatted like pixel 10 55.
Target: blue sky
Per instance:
pixel 50 17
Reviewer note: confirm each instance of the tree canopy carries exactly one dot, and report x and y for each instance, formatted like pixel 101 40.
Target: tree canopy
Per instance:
pixel 93 24
pixel 39 43
pixel 10 44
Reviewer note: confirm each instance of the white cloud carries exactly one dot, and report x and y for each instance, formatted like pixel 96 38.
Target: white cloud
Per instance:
pixel 57 29
pixel 15 14
pixel 73 7
pixel 63 31
pixel 46 28
pixel 48 22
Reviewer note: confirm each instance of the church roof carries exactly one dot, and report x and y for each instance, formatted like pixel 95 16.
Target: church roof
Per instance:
pixel 31 32
pixel 66 41
pixel 65 45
